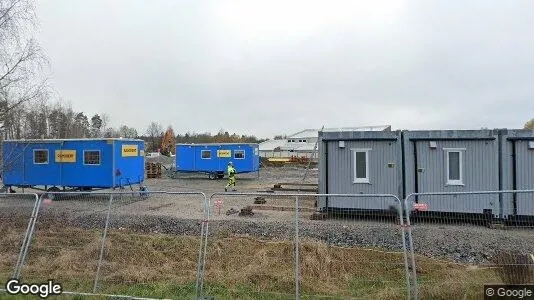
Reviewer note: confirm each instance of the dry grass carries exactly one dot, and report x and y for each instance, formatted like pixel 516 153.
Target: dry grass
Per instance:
pixel 238 267
pixel 514 267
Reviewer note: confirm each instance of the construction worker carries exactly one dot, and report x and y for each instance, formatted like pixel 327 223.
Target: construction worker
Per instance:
pixel 231 177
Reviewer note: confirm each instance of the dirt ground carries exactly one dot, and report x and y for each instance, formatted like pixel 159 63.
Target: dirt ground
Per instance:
pixel 248 182
pixel 190 206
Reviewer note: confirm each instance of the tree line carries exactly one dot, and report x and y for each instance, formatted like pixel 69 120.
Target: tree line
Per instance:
pixel 164 141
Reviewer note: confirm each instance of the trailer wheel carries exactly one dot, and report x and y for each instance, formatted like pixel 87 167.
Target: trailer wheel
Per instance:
pixel 212 176
pixel 52 193
pixel 220 176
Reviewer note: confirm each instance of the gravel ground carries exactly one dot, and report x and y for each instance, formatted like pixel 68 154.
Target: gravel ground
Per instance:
pixel 181 215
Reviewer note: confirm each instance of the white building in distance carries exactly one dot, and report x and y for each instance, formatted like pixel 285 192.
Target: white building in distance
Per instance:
pixel 303 143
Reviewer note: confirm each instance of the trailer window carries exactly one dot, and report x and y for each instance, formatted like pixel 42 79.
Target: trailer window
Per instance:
pixel 454 167
pixel 206 154
pixel 360 164
pixel 239 154
pixel 40 156
pixel 91 157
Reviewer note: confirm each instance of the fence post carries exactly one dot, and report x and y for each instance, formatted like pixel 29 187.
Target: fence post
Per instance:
pixel 297 263
pixel 201 258
pixel 412 251
pixel 104 236
pixel 203 269
pixel 27 238
pixel 403 235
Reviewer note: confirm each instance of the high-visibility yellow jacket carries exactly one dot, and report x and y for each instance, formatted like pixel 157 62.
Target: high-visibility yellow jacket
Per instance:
pixel 231 171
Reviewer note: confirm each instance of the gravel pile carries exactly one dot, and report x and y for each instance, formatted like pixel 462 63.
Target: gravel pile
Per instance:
pixel 463 244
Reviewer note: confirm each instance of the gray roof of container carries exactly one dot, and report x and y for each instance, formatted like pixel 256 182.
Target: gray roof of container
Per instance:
pixel 68 140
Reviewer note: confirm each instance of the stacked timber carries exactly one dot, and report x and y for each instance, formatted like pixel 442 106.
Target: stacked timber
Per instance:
pixel 153 170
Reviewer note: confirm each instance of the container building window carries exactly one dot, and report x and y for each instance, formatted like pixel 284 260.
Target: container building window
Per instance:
pixel 360 164
pixel 40 156
pixel 454 167
pixel 91 157
pixel 239 154
pixel 206 154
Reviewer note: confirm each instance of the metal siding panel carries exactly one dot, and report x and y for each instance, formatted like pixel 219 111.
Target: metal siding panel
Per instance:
pixel 322 170
pixel 506 159
pixel 46 174
pixel 525 178
pixel 62 174
pixel 185 158
pixel 189 158
pixel 132 168
pixel 12 171
pixel 480 173
pixel 79 175
pixel 383 180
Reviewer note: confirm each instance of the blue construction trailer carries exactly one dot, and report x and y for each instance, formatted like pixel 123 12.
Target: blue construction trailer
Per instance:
pixel 72 164
pixel 212 159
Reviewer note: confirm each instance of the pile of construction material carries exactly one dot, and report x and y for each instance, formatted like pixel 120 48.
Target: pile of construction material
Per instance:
pixel 152 170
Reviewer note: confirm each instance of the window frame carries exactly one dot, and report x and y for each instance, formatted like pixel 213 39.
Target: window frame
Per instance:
pixel 99 158
pixel 47 157
pixel 205 150
pixel 448 180
pixel 240 150
pixel 354 165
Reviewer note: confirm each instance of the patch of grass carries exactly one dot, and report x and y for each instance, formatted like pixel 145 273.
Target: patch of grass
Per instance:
pixel 159 265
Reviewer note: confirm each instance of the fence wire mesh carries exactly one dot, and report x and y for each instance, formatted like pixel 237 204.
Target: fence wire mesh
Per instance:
pixel 156 252
pixel 260 247
pixel 249 251
pixel 361 251
pixel 466 240
pixel 65 241
pixel 16 212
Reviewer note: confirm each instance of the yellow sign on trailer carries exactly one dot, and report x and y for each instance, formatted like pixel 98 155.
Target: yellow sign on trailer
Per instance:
pixel 224 153
pixel 129 150
pixel 65 156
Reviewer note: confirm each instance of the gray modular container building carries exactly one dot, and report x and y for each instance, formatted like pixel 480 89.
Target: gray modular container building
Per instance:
pixel 360 162
pixel 453 161
pixel 517 172
pixel 435 161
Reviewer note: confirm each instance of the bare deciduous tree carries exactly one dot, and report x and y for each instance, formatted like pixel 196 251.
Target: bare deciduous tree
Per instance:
pixel 21 59
pixel 127 132
pixel 155 133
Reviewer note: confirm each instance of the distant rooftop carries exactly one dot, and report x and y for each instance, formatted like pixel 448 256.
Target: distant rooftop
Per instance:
pixel 307 133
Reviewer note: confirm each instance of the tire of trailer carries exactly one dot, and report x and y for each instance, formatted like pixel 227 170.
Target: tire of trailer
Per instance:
pixel 220 175
pixel 51 193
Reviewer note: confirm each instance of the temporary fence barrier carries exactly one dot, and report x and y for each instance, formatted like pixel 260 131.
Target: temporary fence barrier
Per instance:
pixel 466 240
pixel 17 216
pixel 65 243
pixel 158 244
pixel 277 248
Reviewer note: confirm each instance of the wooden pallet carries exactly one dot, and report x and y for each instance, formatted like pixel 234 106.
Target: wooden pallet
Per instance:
pixel 296 187
pixel 153 170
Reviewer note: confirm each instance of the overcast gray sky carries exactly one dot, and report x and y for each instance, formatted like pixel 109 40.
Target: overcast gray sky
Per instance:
pixel 272 67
